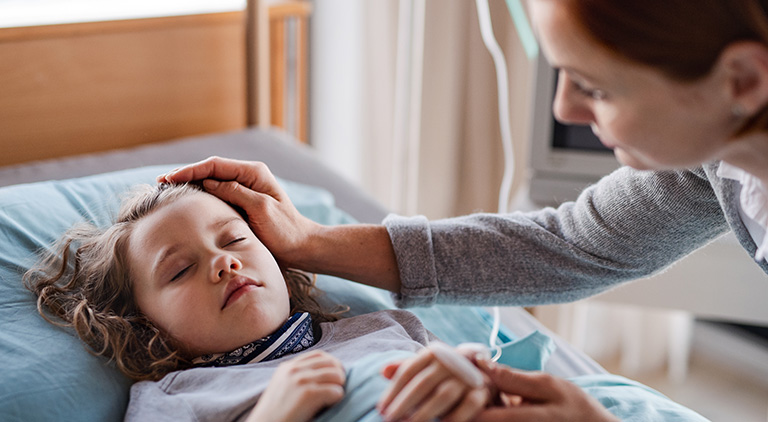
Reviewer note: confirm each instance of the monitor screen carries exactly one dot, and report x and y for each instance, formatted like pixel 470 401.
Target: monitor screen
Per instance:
pixel 573 137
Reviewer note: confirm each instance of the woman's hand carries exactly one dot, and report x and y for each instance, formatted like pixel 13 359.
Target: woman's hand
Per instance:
pixel 359 252
pixel 251 186
pixel 539 397
pixel 423 388
pixel 300 388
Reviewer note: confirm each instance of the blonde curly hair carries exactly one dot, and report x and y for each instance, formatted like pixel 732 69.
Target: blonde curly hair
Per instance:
pixel 84 282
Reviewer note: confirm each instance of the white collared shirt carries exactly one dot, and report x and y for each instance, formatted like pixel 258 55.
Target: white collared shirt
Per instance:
pixel 753 205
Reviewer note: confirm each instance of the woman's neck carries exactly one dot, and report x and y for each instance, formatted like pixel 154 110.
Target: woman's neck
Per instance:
pixel 750 153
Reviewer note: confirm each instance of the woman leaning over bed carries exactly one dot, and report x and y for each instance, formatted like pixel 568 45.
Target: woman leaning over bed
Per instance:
pixel 183 297
pixel 675 87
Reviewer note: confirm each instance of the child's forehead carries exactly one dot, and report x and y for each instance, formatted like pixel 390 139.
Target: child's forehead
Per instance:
pixel 183 221
pixel 191 212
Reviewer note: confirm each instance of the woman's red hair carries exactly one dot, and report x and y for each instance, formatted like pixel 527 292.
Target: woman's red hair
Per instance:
pixel 681 38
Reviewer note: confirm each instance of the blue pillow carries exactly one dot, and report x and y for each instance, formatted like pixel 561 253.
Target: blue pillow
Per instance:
pixel 46 372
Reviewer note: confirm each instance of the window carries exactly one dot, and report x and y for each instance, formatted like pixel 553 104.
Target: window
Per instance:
pixel 15 13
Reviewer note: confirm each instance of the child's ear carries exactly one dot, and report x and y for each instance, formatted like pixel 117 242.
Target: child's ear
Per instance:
pixel 746 69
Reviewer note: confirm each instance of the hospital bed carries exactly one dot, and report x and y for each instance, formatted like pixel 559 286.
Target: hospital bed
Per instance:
pixel 47 372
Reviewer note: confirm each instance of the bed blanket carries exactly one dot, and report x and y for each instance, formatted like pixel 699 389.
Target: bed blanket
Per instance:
pixel 630 401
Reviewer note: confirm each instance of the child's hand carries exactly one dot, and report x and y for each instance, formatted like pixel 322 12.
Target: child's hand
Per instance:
pixel 300 388
pixel 423 388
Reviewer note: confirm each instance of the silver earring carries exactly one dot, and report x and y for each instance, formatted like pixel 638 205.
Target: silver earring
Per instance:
pixel 738 110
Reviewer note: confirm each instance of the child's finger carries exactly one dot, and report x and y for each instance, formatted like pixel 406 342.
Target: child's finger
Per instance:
pixel 327 395
pixel 419 388
pixel 405 372
pixel 388 371
pixel 328 376
pixel 472 403
pixel 315 360
pixel 442 400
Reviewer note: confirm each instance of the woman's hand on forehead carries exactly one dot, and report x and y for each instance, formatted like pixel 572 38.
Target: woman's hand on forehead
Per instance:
pixel 251 186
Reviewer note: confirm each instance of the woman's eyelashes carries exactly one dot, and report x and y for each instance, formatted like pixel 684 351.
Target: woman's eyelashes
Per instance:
pixel 581 88
pixel 595 94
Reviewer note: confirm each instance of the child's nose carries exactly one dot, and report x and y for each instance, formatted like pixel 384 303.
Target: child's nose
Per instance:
pixel 224 264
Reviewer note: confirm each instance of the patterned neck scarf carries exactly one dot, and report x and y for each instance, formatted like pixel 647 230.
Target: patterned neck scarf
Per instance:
pixel 294 336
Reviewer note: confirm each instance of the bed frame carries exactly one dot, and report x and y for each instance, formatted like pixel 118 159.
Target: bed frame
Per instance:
pixel 76 88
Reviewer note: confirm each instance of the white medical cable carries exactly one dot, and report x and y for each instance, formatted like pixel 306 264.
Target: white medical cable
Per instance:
pixel 486 30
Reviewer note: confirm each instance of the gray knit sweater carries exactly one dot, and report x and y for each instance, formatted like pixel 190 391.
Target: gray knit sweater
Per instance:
pixel 629 225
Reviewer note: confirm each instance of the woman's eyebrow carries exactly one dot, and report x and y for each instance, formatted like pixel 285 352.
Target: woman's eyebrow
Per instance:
pixel 579 74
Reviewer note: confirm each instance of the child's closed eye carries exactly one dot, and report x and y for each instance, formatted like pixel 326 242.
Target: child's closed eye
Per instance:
pixel 181 273
pixel 234 241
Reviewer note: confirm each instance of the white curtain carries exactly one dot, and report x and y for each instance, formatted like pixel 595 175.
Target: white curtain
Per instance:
pixel 459 142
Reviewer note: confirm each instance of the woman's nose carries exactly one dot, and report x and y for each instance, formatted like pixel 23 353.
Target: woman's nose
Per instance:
pixel 224 264
pixel 569 106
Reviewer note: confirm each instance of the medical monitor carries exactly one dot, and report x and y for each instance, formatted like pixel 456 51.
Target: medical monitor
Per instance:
pixel 564 159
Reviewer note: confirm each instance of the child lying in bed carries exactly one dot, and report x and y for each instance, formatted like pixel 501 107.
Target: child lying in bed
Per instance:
pixel 181 295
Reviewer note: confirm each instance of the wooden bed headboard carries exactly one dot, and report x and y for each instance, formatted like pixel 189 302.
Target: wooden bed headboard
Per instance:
pixel 75 88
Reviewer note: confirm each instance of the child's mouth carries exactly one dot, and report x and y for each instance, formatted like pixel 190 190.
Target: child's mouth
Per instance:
pixel 236 288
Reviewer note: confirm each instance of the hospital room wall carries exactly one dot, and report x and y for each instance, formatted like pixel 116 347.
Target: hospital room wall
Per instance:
pixel 354 96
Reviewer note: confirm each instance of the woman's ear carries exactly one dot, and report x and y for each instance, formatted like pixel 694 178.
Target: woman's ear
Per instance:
pixel 746 70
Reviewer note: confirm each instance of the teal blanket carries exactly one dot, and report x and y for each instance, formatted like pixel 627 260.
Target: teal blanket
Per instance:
pixel 628 400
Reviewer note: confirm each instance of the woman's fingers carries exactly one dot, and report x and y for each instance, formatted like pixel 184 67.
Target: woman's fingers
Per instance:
pixel 252 174
pixel 515 414
pixel 210 168
pixel 277 223
pixel 533 386
pixel 235 193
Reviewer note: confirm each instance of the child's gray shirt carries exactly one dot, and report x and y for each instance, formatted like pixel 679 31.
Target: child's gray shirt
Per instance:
pixel 627 226
pixel 229 393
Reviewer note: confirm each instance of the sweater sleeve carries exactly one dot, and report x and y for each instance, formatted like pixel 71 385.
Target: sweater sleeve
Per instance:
pixel 629 225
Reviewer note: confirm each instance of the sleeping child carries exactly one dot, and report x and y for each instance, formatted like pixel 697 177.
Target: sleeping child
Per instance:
pixel 182 296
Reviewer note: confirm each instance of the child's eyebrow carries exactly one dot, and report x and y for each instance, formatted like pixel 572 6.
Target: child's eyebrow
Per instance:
pixel 224 221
